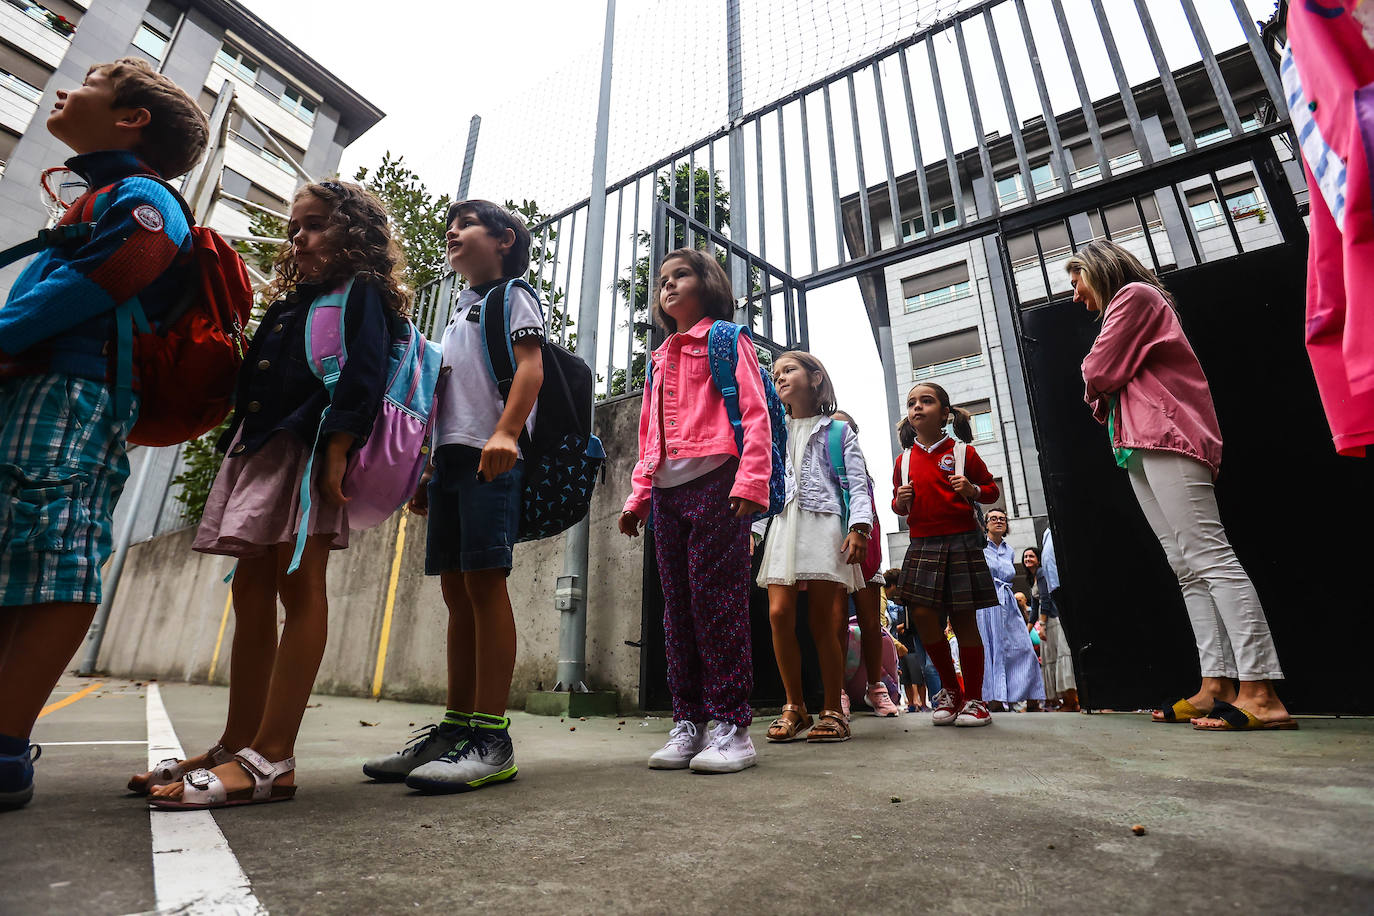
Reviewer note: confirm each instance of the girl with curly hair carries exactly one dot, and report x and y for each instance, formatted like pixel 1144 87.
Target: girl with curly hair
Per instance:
pixel 339 237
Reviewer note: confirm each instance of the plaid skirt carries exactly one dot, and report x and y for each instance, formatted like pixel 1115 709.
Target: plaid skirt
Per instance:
pixel 947 573
pixel 62 467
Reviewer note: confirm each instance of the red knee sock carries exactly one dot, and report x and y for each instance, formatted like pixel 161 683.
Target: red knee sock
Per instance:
pixel 943 659
pixel 971 660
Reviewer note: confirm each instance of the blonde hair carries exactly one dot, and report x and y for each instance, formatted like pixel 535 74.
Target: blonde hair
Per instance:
pixel 824 390
pixel 1106 267
pixel 961 421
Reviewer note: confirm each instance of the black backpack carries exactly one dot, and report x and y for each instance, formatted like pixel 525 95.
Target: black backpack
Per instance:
pixel 562 458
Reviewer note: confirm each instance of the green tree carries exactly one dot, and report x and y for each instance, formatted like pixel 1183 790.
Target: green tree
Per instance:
pixel 415 212
pixel 683 186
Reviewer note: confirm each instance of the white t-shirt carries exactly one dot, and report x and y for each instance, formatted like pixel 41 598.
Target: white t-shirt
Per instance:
pixel 470 406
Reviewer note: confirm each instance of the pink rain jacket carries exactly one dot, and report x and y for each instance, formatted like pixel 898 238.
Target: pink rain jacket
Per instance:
pixel 1142 357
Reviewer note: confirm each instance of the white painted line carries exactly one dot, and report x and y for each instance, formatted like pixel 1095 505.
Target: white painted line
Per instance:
pixel 86 743
pixel 194 870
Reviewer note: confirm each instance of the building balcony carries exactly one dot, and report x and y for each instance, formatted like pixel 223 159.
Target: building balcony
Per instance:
pixel 261 105
pixel 266 174
pixel 17 104
pixel 26 26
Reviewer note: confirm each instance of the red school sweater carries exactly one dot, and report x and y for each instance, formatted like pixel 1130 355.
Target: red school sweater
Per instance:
pixel 936 508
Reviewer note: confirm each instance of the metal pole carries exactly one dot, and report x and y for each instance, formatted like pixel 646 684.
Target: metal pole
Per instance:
pixel 739 273
pixel 473 127
pixel 570 598
pixel 110 582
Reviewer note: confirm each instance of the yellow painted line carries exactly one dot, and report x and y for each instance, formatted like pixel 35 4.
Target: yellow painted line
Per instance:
pixel 219 640
pixel 67 701
pixel 390 607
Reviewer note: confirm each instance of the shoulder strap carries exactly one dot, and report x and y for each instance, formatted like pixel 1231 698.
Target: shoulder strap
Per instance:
pixel 723 371
pixel 836 441
pixel 496 343
pixel 960 453
pixel 906 467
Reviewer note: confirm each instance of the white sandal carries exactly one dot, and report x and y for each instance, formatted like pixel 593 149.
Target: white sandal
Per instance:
pixel 203 789
pixel 171 770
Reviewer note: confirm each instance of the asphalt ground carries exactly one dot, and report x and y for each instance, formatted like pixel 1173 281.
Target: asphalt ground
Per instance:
pixel 1033 814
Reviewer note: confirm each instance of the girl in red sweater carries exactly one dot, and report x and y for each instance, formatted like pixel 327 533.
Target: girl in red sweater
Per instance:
pixel 944 574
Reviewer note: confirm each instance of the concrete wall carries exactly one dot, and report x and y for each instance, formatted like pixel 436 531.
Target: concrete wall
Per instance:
pixel 166 619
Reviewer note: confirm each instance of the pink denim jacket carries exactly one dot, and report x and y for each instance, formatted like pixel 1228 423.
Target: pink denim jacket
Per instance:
pixel 684 417
pixel 1142 357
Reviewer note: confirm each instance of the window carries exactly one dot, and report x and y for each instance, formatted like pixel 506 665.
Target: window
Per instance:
pixel 1215 135
pixel 151 42
pixel 1011 189
pixel 237 61
pixel 15 84
pixel 942 219
pixel 981 420
pixel 1242 202
pixel 298 104
pixel 946 353
pixel 936 287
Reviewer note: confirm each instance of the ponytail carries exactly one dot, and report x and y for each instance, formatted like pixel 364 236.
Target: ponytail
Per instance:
pixel 962 423
pixel 906 434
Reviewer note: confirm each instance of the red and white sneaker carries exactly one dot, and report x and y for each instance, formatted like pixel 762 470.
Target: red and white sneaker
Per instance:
pixel 882 703
pixel 944 708
pixel 974 713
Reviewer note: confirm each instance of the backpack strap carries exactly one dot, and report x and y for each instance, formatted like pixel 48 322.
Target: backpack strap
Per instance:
pixel 960 454
pixel 722 339
pixel 906 467
pixel 326 352
pixel 836 436
pixel 498 349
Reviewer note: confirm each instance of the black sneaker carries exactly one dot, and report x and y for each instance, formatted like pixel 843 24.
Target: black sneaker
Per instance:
pixel 430 743
pixel 484 756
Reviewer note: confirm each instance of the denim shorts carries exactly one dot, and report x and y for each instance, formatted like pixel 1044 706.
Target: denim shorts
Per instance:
pixel 473 523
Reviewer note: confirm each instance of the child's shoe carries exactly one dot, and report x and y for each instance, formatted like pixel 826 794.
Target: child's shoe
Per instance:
pixel 882 704
pixel 685 741
pixel 16 777
pixel 912 707
pixel 435 742
pixel 945 708
pixel 483 755
pixel 729 749
pixel 844 703
pixel 974 714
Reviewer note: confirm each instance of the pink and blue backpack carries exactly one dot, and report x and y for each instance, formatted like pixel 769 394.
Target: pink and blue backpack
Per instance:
pixel 382 474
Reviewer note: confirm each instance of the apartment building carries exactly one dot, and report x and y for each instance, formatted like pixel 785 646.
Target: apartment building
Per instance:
pixel 298 113
pixel 945 323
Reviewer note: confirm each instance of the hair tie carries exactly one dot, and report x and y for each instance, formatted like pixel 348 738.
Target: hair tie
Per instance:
pixel 332 186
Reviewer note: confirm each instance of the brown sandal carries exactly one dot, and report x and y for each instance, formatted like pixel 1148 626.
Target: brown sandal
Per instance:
pixel 831 729
pixel 784 729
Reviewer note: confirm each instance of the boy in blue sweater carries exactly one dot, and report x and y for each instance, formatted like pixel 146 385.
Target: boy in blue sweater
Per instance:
pixel 62 444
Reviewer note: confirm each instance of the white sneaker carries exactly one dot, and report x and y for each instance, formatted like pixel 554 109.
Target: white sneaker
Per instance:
pixel 685 741
pixel 729 750
pixel 945 708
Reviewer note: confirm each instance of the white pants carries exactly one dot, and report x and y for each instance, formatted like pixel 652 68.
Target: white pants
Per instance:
pixel 1176 495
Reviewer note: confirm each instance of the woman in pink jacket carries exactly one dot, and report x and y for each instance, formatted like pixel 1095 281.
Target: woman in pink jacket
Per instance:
pixel 704 490
pixel 1145 384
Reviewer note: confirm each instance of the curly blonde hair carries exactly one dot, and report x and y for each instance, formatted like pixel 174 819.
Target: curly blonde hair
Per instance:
pixel 360 231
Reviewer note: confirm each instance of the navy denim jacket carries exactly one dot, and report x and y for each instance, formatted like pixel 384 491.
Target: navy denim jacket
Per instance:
pixel 276 389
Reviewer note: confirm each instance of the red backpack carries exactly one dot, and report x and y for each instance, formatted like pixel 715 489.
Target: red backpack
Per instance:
pixel 187 367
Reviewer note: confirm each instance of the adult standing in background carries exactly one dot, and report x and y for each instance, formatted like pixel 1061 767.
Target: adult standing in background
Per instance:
pixel 1144 383
pixel 1010 670
pixel 1056 660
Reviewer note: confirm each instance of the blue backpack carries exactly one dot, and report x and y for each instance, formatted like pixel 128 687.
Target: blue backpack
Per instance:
pixel 722 349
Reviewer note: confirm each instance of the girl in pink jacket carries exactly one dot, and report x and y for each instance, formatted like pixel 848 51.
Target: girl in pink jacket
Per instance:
pixel 1145 383
pixel 704 491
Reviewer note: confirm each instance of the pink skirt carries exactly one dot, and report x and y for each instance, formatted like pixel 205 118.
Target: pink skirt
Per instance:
pixel 255 502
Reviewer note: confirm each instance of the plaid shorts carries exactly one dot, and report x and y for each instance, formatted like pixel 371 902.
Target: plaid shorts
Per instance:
pixel 62 467
pixel 947 573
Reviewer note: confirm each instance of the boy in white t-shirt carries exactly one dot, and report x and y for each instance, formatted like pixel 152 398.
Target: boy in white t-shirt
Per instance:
pixel 473 503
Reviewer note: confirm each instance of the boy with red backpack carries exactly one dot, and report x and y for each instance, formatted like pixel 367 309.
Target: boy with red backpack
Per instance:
pixel 63 423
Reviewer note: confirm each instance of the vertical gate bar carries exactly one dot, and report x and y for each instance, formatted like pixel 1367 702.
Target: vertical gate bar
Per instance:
pixel 893 203
pixel 786 218
pixel 672 194
pixel 1166 77
pixel 1046 109
pixel 1123 84
pixel 983 158
pixel 1068 228
pixel 865 210
pixel 804 328
pixel 634 293
pixel 922 183
pixel 553 277
pixel 1089 115
pixel 1149 239
pixel 1188 224
pixel 1226 211
pixel 810 190
pixel 758 172
pixel 834 172
pixel 1040 256
pixel 788 320
pixel 749 307
pixel 615 277
pixel 1266 66
pixel 1106 230
pixel 688 232
pixel 768 308
pixel 1209 60
pixel 951 166
pixel 711 185
pixel 567 279
pixel 1013 120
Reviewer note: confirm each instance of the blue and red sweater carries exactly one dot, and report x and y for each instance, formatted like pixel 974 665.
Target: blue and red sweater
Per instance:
pixel 60 313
